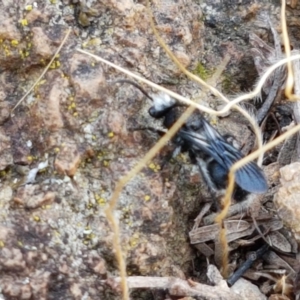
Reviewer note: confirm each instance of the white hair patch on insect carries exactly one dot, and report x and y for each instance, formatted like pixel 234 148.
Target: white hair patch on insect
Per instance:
pixel 162 101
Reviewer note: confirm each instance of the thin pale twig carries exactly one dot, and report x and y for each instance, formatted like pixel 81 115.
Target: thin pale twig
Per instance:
pixel 179 288
pixel 207 86
pixel 45 70
pixel 141 164
pixel 187 101
pixel 287 48
pixel 152 152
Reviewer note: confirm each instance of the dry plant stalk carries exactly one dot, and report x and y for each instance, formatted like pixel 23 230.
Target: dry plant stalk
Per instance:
pixel 229 191
pixel 141 164
pixel 254 93
pixel 178 287
pixel 288 91
pixel 45 70
pixel 152 152
pixel 286 41
pixel 205 84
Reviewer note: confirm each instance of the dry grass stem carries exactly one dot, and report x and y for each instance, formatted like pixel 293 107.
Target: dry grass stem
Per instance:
pixel 287 48
pixel 244 161
pixel 192 106
pixel 152 84
pixel 167 136
pixel 120 185
pixel 204 84
pixel 259 151
pixel 187 101
pixel 177 287
pixel 45 70
pixel 207 86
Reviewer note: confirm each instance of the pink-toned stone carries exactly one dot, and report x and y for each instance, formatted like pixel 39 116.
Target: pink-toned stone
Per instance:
pixel 121 5
pixel 116 122
pixel 68 160
pixel 31 197
pixel 41 43
pixel 35 15
pixel 39 284
pixel 6 158
pixel 12 259
pixel 25 293
pixel 5 233
pixel 287 198
pixel 75 290
pixel 52 94
pixel 88 80
pixel 8 29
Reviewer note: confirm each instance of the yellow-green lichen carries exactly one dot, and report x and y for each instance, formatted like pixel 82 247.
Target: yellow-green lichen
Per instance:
pixel 55 64
pixel 30 158
pixel 147 198
pixel 101 201
pixel 56 149
pixel 28 7
pixel 154 167
pixel 36 218
pixel 201 71
pixel 228 85
pixel 14 43
pixel 105 163
pixel 24 22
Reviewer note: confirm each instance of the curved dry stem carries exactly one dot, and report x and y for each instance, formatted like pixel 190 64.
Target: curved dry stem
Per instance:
pixel 225 253
pixel 168 135
pixel 287 48
pixel 150 83
pixel 176 61
pixel 197 79
pixel 265 148
pixel 45 70
pixel 120 185
pixel 226 201
pixel 243 162
pixel 117 245
pixel 172 131
pixel 187 101
pixel 219 219
pixel 227 198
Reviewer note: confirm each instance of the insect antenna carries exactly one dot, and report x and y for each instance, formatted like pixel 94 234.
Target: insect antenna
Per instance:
pixel 135 85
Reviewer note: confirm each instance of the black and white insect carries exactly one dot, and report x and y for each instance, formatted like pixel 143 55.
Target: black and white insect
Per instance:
pixel 213 153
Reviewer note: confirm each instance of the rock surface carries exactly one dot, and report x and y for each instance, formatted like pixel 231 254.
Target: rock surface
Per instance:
pixel 287 198
pixel 55 240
